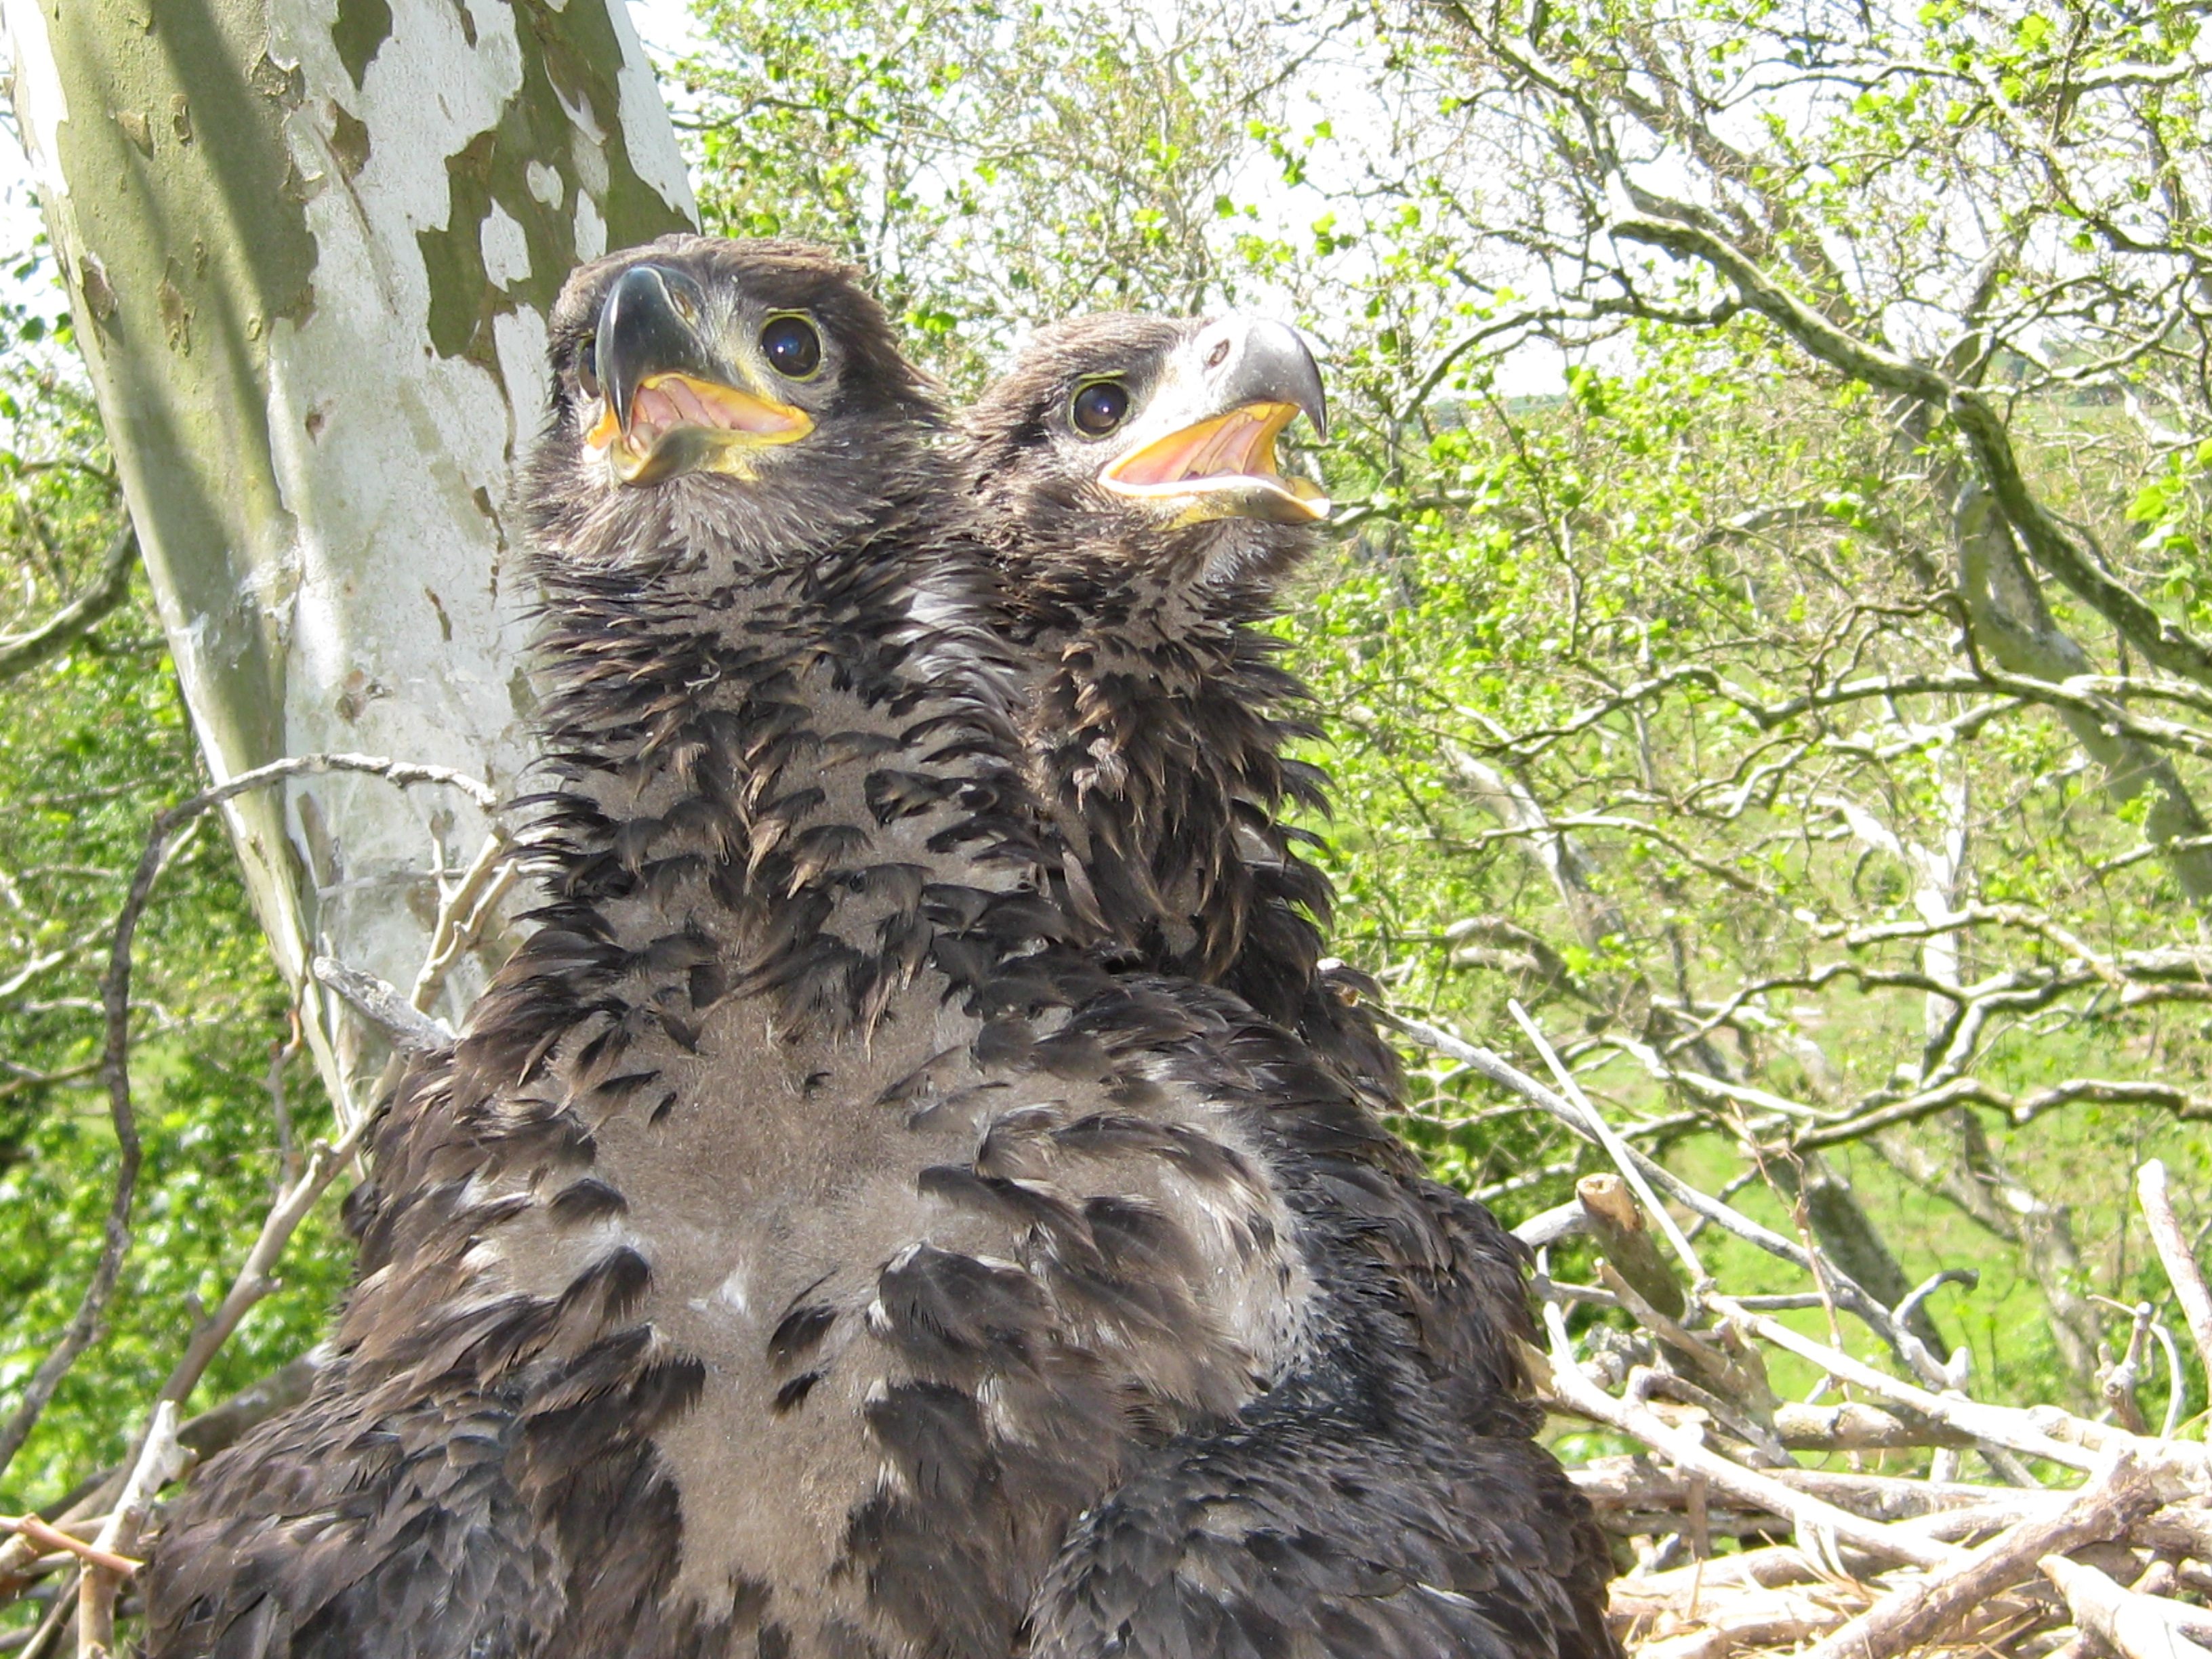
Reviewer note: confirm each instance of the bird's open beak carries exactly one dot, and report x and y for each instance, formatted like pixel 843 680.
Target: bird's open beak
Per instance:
pixel 670 402
pixel 1206 448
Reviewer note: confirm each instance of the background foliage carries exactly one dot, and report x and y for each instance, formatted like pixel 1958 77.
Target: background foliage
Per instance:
pixel 1764 639
pixel 93 739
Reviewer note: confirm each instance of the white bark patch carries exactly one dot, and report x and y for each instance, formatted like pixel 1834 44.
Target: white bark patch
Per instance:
pixel 505 248
pixel 653 149
pixel 373 538
pixel 591 230
pixel 545 185
pixel 405 550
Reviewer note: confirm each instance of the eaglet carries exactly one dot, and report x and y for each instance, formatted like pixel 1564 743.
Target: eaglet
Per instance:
pixel 816 1241
pixel 1123 476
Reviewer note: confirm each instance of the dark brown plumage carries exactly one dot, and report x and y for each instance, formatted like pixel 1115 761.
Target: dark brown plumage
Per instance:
pixel 1156 719
pixel 806 1230
pixel 1157 714
pixel 810 1249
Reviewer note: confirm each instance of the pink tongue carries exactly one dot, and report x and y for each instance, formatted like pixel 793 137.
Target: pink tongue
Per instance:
pixel 653 411
pixel 1227 451
pixel 688 403
pixel 673 402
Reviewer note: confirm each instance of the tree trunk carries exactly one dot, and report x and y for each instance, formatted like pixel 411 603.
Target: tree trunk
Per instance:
pixel 310 245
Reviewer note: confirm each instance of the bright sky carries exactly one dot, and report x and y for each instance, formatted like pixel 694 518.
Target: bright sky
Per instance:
pixel 18 224
pixel 664 26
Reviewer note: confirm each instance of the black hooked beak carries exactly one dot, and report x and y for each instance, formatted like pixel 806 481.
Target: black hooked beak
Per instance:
pixel 1207 446
pixel 670 403
pixel 647 325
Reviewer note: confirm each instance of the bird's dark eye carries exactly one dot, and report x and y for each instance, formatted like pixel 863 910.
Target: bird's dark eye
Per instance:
pixel 587 366
pixel 1099 407
pixel 794 348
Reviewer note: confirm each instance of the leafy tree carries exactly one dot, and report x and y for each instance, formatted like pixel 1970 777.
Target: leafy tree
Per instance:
pixel 994 167
pixel 1772 709
pixel 1798 699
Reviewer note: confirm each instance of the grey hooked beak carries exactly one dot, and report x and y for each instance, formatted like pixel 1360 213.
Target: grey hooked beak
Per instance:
pixel 1204 449
pixel 1256 359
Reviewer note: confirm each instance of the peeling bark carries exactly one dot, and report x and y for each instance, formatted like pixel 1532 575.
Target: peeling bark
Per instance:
pixel 310 245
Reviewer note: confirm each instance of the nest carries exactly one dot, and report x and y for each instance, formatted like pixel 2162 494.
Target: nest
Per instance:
pixel 2088 1535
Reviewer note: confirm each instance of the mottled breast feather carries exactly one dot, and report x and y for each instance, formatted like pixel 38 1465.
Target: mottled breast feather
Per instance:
pixel 1385 1497
pixel 806 1229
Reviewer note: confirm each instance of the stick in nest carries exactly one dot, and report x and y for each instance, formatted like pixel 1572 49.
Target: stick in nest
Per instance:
pixel 1916 1613
pixel 53 1538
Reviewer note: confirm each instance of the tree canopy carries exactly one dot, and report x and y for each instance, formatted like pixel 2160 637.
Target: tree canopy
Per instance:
pixel 1770 636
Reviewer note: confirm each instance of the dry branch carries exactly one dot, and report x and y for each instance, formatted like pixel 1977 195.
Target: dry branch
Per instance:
pixel 1846 1292
pixel 404 1026
pixel 1687 1384
pixel 159 1462
pixel 1806 1512
pixel 2132 1625
pixel 1611 1216
pixel 53 1538
pixel 2175 1256
pixel 1916 1613
pixel 26 650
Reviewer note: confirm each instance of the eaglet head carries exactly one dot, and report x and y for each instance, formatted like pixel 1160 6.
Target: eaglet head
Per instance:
pixel 1135 456
pixel 745 402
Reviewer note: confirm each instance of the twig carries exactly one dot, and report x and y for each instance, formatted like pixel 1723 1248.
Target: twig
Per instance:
pixel 19 652
pixel 462 916
pixel 404 1026
pixel 1918 1612
pixel 2118 1380
pixel 1761 1618
pixel 1970 1277
pixel 1622 1482
pixel 1622 1154
pixel 1806 1513
pixel 1997 1423
pixel 115 1058
pixel 53 1538
pixel 1854 1425
pixel 2173 1254
pixel 58 1618
pixel 280 1110
pixel 212 1430
pixel 1848 1291
pixel 159 1462
pixel 1550 1226
pixel 2130 1624
pixel 2176 1384
pixel 256 1279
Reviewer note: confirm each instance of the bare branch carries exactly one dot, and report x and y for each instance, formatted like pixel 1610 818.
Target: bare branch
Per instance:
pixel 115 1061
pixel 1920 1612
pixel 22 652
pixel 2175 1255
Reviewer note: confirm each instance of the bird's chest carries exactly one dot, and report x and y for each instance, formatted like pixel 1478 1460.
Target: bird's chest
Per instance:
pixel 932 1324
